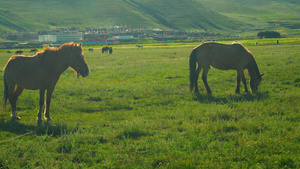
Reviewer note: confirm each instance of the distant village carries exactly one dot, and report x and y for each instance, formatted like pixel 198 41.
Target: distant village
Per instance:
pixel 97 36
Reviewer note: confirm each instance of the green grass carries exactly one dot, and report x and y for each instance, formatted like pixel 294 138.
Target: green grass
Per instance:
pixel 134 110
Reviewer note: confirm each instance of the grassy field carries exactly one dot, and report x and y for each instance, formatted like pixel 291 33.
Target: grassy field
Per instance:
pixel 134 110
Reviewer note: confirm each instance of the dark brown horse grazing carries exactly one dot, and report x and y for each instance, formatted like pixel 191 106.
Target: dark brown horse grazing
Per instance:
pixel 105 49
pixel 224 57
pixel 19 52
pixel 42 72
pixel 33 50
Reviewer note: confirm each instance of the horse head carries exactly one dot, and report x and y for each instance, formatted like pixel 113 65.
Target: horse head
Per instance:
pixel 254 82
pixel 77 61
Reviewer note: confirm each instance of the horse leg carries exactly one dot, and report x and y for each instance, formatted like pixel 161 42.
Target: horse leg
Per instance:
pixel 48 100
pixel 245 84
pixel 13 101
pixel 41 104
pixel 238 81
pixel 204 78
pixel 197 77
pixel 242 75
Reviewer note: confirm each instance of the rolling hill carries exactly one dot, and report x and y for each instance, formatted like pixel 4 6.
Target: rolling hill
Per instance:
pixel 136 13
pixel 11 21
pixel 267 14
pixel 221 15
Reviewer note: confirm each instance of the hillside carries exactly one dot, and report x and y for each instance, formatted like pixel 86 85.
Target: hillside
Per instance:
pixel 267 14
pixel 217 15
pixel 134 13
pixel 10 21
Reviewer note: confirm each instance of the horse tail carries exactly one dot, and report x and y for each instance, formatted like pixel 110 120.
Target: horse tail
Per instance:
pixel 193 65
pixel 5 93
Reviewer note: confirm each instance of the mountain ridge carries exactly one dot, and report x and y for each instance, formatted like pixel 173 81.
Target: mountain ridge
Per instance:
pixel 203 15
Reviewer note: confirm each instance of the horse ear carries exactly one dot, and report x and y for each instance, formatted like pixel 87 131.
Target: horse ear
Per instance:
pixel 261 75
pixel 78 44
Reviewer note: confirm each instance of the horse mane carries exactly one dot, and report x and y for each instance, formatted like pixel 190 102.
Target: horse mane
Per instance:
pixel 55 49
pixel 252 66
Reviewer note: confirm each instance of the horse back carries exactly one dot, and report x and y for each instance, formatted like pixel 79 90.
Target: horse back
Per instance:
pixel 20 61
pixel 22 70
pixel 222 56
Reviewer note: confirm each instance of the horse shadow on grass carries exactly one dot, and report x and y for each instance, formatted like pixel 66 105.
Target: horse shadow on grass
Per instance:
pixel 18 128
pixel 247 97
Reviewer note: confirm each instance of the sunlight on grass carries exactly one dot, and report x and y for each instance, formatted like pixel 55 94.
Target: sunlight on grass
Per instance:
pixel 135 110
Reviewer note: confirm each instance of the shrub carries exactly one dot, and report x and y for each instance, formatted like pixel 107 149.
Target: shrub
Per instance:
pixel 268 34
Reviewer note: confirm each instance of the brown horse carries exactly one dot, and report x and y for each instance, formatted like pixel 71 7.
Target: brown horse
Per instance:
pixel 19 52
pixel 224 57
pixel 105 49
pixel 42 72
pixel 33 50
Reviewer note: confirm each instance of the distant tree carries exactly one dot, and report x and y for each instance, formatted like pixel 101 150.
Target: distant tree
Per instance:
pixel 268 34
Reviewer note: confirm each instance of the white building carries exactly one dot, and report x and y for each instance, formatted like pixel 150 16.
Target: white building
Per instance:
pixel 123 38
pixel 47 38
pixel 62 38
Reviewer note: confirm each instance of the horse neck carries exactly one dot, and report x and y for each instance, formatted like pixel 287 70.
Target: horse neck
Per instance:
pixel 253 69
pixel 58 60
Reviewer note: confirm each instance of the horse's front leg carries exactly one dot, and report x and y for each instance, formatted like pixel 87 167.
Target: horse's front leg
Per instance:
pixel 41 104
pixel 48 101
pixel 245 84
pixel 241 75
pixel 238 81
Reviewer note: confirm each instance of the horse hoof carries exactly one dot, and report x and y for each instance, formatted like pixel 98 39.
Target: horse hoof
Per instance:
pixel 48 119
pixel 39 121
pixel 13 118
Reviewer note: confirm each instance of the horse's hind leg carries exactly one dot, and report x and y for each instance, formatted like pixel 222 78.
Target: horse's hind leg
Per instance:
pixel 196 80
pixel 204 78
pixel 13 101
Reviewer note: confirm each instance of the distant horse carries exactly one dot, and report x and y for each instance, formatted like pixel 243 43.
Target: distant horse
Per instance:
pixel 33 50
pixel 42 72
pixel 139 46
pixel 106 48
pixel 19 52
pixel 91 50
pixel 8 51
pixel 224 57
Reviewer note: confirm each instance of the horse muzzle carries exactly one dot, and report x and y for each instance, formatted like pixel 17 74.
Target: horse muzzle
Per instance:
pixel 85 74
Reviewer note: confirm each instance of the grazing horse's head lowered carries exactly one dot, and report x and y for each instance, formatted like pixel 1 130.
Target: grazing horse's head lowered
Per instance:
pixel 254 82
pixel 224 57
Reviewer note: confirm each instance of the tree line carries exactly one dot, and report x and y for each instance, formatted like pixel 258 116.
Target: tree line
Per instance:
pixel 268 34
